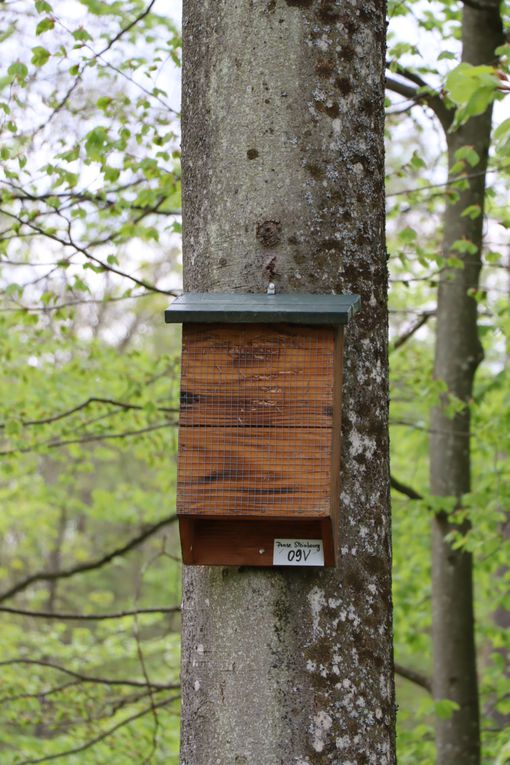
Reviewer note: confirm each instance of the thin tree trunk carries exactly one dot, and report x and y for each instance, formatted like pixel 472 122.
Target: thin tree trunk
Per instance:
pixel 55 557
pixel 458 354
pixel 283 181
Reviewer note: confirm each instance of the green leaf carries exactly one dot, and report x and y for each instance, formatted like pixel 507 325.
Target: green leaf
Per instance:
pixel 464 246
pixel 18 71
pixel 111 173
pixel 44 26
pixel 407 235
pixel 81 34
pixel 104 102
pixel 95 143
pixel 417 162
pixel 41 6
pixel 472 89
pixel 13 427
pixel 446 55
pixel 469 154
pixel 444 708
pixel 472 211
pixel 40 56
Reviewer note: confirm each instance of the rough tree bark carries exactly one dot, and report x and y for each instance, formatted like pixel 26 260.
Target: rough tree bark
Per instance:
pixel 457 356
pixel 283 181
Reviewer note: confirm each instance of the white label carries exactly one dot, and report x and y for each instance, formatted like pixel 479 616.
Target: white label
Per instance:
pixel 298 552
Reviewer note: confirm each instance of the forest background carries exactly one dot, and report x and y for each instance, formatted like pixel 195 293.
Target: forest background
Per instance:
pixel 89 257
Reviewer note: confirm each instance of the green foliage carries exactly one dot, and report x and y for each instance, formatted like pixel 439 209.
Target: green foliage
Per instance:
pixel 417 199
pixel 472 89
pixel 89 199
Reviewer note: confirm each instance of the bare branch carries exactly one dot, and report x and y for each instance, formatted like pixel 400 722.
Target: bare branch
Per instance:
pixel 89 617
pixel 71 243
pixel 87 439
pixel 40 694
pixel 126 29
pixel 414 677
pixel 399 342
pixel 422 94
pixel 402 488
pixel 93 565
pixel 407 91
pixel 451 182
pixel 101 736
pixel 72 303
pixel 87 403
pixel 86 678
pixel 63 101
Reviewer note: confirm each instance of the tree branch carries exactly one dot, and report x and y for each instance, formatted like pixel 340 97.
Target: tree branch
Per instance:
pixel 104 202
pixel 81 568
pixel 17 307
pixel 87 403
pixel 407 91
pixel 423 94
pixel 87 439
pixel 87 678
pixel 89 617
pixel 126 29
pixel 402 488
pixel 399 342
pixel 414 677
pixel 86 253
pixel 40 694
pixel 452 182
pixel 103 735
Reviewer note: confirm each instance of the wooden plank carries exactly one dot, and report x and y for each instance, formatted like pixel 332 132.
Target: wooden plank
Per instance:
pixel 238 542
pixel 243 471
pixel 257 377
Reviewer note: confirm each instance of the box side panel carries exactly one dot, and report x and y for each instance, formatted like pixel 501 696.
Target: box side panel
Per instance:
pixel 336 439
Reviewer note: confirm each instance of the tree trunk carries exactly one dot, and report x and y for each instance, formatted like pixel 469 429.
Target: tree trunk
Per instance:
pixel 458 353
pixel 283 181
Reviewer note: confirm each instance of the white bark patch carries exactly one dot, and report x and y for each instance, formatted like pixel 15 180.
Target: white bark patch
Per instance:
pixel 361 444
pixel 317 602
pixel 322 723
pixel 196 685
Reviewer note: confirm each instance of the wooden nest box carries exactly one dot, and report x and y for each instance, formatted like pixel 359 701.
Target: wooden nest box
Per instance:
pixel 259 431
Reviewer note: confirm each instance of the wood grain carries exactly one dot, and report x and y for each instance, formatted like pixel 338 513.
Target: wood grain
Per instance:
pixel 257 436
pixel 236 542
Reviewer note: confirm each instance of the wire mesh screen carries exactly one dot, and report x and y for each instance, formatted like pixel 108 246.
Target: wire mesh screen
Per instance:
pixel 256 418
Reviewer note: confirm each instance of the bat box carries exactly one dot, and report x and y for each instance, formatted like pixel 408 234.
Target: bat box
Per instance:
pixel 259 430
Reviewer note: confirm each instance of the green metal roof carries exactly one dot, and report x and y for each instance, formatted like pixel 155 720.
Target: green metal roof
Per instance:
pixel 243 308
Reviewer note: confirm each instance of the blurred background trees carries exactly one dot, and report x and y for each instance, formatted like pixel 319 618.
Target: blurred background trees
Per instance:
pixel 89 257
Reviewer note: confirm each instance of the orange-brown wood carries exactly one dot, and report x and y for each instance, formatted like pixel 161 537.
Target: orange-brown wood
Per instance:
pixel 336 442
pixel 258 438
pixel 245 470
pixel 233 542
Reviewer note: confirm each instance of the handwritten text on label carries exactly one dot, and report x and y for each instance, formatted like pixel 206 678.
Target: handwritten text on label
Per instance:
pixel 298 552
